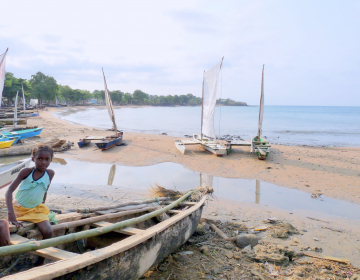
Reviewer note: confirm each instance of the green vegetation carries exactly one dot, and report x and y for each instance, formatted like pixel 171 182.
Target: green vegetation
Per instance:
pixel 46 90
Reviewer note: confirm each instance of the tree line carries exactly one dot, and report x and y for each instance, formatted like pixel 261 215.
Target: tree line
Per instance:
pixel 47 90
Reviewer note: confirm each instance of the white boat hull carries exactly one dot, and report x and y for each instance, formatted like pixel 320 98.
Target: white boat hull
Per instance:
pixel 180 146
pixel 210 145
pixel 9 171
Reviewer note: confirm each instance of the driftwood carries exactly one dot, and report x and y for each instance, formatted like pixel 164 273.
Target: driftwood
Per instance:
pixel 221 234
pixel 328 258
pixel 36 245
pixel 94 209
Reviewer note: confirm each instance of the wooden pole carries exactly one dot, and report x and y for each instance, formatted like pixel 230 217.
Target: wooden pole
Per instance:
pixel 82 222
pixel 36 245
pixel 94 209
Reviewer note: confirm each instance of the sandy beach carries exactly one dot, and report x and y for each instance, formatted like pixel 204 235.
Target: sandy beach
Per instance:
pixel 333 171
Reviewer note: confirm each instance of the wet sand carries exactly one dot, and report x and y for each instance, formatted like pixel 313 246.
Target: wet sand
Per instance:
pixel 334 171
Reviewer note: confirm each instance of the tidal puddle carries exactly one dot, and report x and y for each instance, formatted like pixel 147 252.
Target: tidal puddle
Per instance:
pixel 172 175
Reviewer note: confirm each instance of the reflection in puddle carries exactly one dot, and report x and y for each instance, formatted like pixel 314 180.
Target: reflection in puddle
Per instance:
pixel 172 175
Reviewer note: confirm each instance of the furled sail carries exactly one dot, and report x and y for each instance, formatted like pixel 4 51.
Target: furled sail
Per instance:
pixel 109 105
pixel 210 85
pixel 261 106
pixel 2 73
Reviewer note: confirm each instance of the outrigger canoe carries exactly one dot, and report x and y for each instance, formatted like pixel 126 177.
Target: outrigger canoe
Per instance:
pixel 106 242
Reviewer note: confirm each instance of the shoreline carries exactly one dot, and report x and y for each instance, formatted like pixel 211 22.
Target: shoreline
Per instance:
pixel 156 132
pixel 335 171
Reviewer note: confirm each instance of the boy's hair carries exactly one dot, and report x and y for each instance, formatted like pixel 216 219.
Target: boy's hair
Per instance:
pixel 40 148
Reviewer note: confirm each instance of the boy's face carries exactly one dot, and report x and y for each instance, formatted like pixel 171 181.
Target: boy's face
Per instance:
pixel 42 160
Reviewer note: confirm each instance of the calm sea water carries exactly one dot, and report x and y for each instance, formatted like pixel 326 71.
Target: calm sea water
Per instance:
pixel 291 125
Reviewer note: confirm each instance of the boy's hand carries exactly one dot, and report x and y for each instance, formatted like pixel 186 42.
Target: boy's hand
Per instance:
pixel 12 220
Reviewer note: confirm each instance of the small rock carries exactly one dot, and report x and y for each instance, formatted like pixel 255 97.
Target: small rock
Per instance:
pixel 204 249
pixel 248 239
pixel 247 249
pixel 229 255
pixel 236 256
pixel 229 246
pixel 186 253
pixel 215 270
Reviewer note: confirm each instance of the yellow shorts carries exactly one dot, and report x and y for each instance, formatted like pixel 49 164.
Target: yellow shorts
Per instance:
pixel 34 215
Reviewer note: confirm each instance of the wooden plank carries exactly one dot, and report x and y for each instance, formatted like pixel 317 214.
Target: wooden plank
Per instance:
pixel 240 143
pixel 115 210
pixel 174 211
pixel 59 268
pixel 51 253
pixel 126 230
pixel 182 203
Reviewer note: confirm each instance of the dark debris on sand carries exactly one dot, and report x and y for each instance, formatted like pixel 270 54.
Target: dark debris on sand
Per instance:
pixel 208 256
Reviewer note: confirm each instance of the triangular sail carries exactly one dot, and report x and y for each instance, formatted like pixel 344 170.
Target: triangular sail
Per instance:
pixel 109 106
pixel 2 73
pixel 15 111
pixel 23 97
pixel 261 106
pixel 210 85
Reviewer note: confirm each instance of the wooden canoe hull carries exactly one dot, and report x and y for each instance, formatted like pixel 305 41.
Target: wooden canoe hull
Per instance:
pixel 128 258
pixel 109 142
pixel 8 175
pixel 133 263
pixel 11 121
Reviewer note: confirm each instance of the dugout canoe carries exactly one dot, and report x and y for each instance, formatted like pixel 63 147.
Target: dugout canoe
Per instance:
pixel 127 243
pixel 9 171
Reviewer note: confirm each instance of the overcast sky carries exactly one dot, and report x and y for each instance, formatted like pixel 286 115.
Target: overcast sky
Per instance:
pixel 311 49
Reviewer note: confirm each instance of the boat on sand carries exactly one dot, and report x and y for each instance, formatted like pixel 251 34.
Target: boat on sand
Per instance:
pixel 9 171
pixel 207 136
pixel 109 242
pixel 259 144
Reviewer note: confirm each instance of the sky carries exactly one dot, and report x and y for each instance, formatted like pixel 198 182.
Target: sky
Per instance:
pixel 311 49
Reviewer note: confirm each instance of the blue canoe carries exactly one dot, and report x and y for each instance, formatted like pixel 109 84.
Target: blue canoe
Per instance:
pixel 109 142
pixel 23 134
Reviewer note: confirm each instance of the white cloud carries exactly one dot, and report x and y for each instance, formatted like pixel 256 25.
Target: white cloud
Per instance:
pixel 310 49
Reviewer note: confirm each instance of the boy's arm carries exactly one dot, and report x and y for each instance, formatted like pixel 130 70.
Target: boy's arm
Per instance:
pixel 51 175
pixel 9 195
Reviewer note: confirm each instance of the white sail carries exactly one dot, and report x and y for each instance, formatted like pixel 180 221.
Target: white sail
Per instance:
pixel 261 106
pixel 210 85
pixel 23 97
pixel 15 109
pixel 109 106
pixel 2 74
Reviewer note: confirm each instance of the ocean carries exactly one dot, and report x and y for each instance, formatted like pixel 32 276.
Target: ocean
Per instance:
pixel 289 125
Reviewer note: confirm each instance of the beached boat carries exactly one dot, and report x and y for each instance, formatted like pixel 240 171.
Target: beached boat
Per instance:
pixel 206 139
pixel 9 171
pixel 28 115
pixel 6 144
pixel 113 140
pixel 119 242
pixel 11 121
pixel 259 144
pixel 25 133
pixel 6 138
